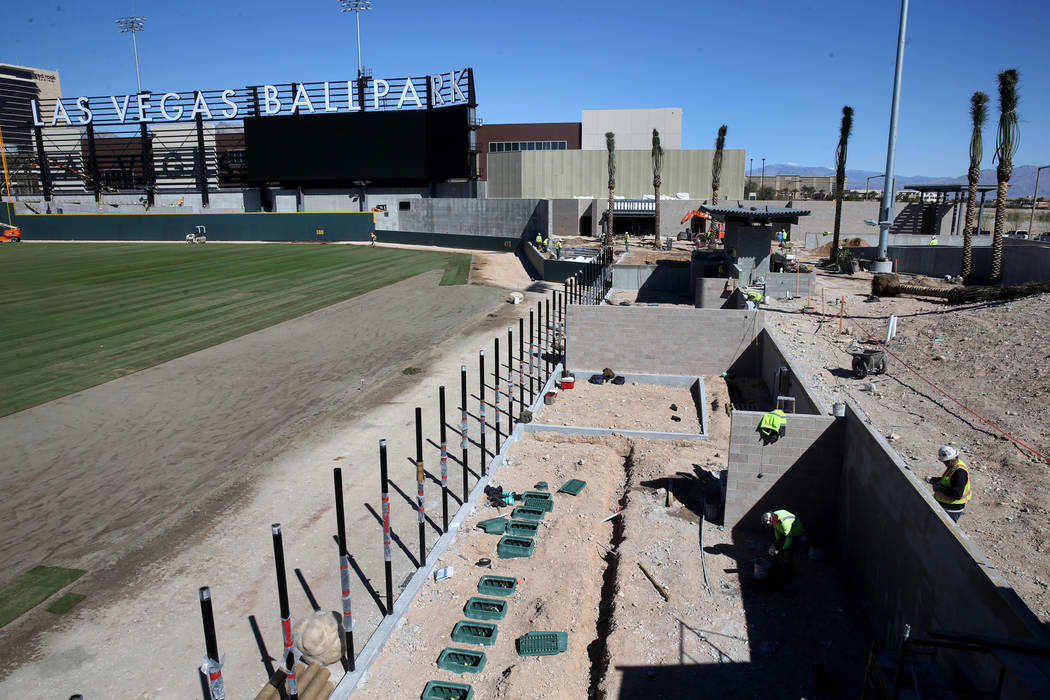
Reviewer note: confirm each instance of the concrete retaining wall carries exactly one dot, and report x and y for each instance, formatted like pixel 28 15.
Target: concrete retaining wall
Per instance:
pixel 913 566
pixel 658 340
pixel 770 359
pixel 799 472
pixel 662 277
pixel 817 239
pixel 501 218
pixel 1023 261
pixel 788 285
pixel 547 269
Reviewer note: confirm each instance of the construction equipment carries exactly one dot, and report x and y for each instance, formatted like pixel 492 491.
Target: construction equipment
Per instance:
pixel 199 236
pixel 868 361
pixel 10 233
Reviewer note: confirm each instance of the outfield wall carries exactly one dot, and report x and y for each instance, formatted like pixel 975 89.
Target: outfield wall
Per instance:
pixel 174 227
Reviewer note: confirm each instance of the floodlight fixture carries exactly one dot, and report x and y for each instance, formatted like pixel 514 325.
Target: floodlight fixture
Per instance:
pixel 357 7
pixel 133 25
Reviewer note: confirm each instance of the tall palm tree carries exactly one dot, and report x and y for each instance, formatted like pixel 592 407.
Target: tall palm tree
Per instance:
pixel 658 162
pixel 840 175
pixel 716 164
pixel 610 146
pixel 978 114
pixel 1006 142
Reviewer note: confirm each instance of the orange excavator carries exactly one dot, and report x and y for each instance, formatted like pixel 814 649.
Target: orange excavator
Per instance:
pixel 716 226
pixel 10 234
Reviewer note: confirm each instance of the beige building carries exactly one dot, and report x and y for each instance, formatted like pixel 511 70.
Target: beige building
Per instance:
pixel 793 184
pixel 569 174
pixel 633 128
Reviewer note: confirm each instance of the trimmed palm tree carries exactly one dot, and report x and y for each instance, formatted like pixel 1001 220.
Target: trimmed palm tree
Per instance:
pixel 840 175
pixel 610 146
pixel 978 114
pixel 716 164
pixel 1006 142
pixel 658 162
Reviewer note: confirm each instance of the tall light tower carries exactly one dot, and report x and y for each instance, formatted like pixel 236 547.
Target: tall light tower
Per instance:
pixel 133 25
pixel 357 7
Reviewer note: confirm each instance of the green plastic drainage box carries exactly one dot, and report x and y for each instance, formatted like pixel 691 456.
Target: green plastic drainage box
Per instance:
pixel 523 528
pixel 447 690
pixel 469 632
pixel 512 546
pixel 461 660
pixel 542 643
pixel 539 500
pixel 485 609
pixel 494 526
pixel 497 585
pixel 572 487
pixel 525 513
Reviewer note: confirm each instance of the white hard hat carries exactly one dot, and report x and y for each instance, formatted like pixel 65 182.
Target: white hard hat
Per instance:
pixel 946 453
pixel 767 519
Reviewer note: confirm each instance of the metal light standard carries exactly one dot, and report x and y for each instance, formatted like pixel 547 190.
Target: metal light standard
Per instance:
pixel 763 185
pixel 133 25
pixel 357 7
pixel 881 264
pixel 750 177
pixel 1035 197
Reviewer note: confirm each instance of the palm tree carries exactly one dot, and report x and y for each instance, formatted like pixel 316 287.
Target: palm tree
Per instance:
pixel 658 161
pixel 840 175
pixel 610 145
pixel 978 114
pixel 1006 142
pixel 716 164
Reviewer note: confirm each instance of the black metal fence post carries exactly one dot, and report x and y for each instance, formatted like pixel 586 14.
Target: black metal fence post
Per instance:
pixel 521 365
pixel 495 362
pixel 386 528
pixel 344 571
pixel 288 658
pixel 420 486
pixel 216 687
pixel 464 440
pixel 481 408
pixel 510 380
pixel 444 461
pixel 532 357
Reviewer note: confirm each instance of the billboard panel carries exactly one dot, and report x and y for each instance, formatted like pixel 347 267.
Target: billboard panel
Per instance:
pixel 373 146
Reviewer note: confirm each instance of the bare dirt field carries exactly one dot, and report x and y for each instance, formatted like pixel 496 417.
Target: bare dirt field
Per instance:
pixel 168 479
pixel 630 406
pixel 732 635
pixel 992 359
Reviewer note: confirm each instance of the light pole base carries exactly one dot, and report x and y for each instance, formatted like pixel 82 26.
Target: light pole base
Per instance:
pixel 881 266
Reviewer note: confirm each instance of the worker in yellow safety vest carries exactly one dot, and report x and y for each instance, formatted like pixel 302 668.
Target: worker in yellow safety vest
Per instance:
pixel 934 241
pixel 787 529
pixel 952 488
pixel 557 249
pixel 773 425
pixel 754 298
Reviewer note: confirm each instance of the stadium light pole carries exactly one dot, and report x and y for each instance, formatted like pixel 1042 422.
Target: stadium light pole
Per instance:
pixel 1035 198
pixel 881 263
pixel 357 7
pixel 133 25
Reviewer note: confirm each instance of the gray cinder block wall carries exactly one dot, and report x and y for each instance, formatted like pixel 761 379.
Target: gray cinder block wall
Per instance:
pixel 799 472
pixel 788 285
pixel 770 359
pixel 657 340
pixel 913 566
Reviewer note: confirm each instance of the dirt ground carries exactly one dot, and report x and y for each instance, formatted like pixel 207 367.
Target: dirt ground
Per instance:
pixel 630 406
pixel 992 359
pixel 624 639
pixel 168 479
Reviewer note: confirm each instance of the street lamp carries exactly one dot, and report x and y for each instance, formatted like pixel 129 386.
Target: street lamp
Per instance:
pixel 1035 196
pixel 867 182
pixel 881 264
pixel 357 7
pixel 750 176
pixel 763 185
pixel 133 25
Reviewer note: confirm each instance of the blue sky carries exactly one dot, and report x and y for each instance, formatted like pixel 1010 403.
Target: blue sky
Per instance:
pixel 776 73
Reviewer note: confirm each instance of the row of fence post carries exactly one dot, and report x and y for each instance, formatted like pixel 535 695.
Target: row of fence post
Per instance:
pixel 546 328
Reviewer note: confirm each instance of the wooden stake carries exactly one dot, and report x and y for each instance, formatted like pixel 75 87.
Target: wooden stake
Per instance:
pixel 660 589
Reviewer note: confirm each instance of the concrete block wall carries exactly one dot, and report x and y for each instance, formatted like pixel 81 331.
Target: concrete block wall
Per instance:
pixel 710 293
pixel 788 285
pixel 658 340
pixel 913 566
pixel 799 472
pixel 664 278
pixel 472 217
pixel 770 359
pixel 1023 261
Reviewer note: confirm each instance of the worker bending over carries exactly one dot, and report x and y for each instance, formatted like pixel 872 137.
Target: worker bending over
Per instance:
pixel 787 529
pixel 952 488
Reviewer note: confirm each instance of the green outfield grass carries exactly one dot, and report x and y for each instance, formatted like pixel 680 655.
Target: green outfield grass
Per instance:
pixel 78 314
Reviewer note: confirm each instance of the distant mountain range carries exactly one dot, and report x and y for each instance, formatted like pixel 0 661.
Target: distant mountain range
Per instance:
pixel 1022 181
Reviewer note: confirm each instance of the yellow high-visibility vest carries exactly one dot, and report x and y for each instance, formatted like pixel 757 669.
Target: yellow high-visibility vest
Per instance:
pixel 946 482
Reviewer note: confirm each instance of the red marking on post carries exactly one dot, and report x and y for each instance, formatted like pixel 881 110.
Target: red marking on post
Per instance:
pixel 286 627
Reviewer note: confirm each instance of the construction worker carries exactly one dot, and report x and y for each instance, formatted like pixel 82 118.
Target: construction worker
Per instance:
pixel 547 245
pixel 952 488
pixel 627 242
pixel 539 241
pixel 373 237
pixel 934 241
pixel 557 249
pixel 754 298
pixel 773 425
pixel 787 529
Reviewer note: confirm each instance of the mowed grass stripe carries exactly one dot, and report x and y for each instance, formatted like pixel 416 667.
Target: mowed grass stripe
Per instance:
pixel 149 303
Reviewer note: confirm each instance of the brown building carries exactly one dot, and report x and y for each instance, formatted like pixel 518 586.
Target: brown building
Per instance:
pixel 500 138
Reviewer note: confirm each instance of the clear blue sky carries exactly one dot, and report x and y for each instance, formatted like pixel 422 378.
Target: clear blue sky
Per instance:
pixel 777 73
